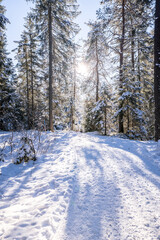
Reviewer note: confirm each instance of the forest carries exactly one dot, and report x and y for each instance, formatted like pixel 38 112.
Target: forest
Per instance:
pixel 109 84
pixel 80 123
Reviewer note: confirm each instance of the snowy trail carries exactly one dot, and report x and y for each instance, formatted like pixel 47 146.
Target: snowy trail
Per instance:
pixel 85 187
pixel 115 196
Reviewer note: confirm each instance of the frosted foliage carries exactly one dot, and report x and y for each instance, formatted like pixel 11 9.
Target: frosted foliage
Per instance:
pixel 26 151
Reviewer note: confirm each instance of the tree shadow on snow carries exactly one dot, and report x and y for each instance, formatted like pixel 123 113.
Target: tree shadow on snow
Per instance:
pixel 14 178
pixel 95 201
pixel 136 149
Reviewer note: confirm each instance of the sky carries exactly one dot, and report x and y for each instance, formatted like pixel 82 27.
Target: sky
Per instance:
pixel 17 10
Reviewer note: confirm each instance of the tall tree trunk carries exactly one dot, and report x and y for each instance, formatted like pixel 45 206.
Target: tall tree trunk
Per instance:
pixel 74 93
pixel 97 73
pixel 133 65
pixel 27 79
pixel 138 62
pixel 133 51
pixel 75 77
pixel 139 72
pixel 72 119
pixel 32 84
pixel 157 71
pixel 105 120
pixel 121 72
pixel 50 66
pixel 128 117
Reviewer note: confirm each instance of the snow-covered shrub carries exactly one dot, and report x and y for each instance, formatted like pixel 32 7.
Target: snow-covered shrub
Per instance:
pixel 2 154
pixel 26 151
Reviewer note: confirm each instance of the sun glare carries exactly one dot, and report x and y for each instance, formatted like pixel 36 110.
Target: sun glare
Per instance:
pixel 82 68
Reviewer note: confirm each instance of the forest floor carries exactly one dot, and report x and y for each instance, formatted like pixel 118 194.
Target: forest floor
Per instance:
pixel 81 187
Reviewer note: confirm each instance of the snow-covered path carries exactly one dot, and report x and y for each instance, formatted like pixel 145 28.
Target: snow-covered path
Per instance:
pixel 85 187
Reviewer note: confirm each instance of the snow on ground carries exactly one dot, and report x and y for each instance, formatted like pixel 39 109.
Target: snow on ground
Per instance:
pixel 82 187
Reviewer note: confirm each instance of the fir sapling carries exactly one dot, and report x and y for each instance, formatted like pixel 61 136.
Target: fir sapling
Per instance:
pixel 2 154
pixel 26 151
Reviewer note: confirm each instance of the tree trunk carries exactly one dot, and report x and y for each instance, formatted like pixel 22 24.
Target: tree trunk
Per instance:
pixel 75 77
pixel 72 120
pixel 121 72
pixel 132 119
pixel 138 62
pixel 74 94
pixel 157 71
pixel 27 79
pixel 128 118
pixel 32 84
pixel 97 73
pixel 133 51
pixel 105 120
pixel 50 66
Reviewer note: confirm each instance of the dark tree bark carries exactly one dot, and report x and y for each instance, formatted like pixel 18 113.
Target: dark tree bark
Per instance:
pixel 133 65
pixel 133 51
pixel 32 82
pixel 138 62
pixel 121 72
pixel 50 66
pixel 105 120
pixel 72 114
pixel 157 71
pixel 27 79
pixel 74 94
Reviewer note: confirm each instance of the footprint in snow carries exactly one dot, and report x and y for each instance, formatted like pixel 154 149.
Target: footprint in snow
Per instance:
pixel 45 223
pixel 55 199
pixel 56 219
pixel 53 184
pixel 23 225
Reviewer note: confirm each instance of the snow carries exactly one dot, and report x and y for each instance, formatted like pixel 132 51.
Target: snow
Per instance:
pixel 81 187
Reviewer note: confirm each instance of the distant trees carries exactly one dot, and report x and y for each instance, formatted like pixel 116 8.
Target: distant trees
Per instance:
pixel 95 54
pixel 29 72
pixel 98 100
pixel 120 90
pixel 10 103
pixel 128 37
pixel 46 68
pixel 45 81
